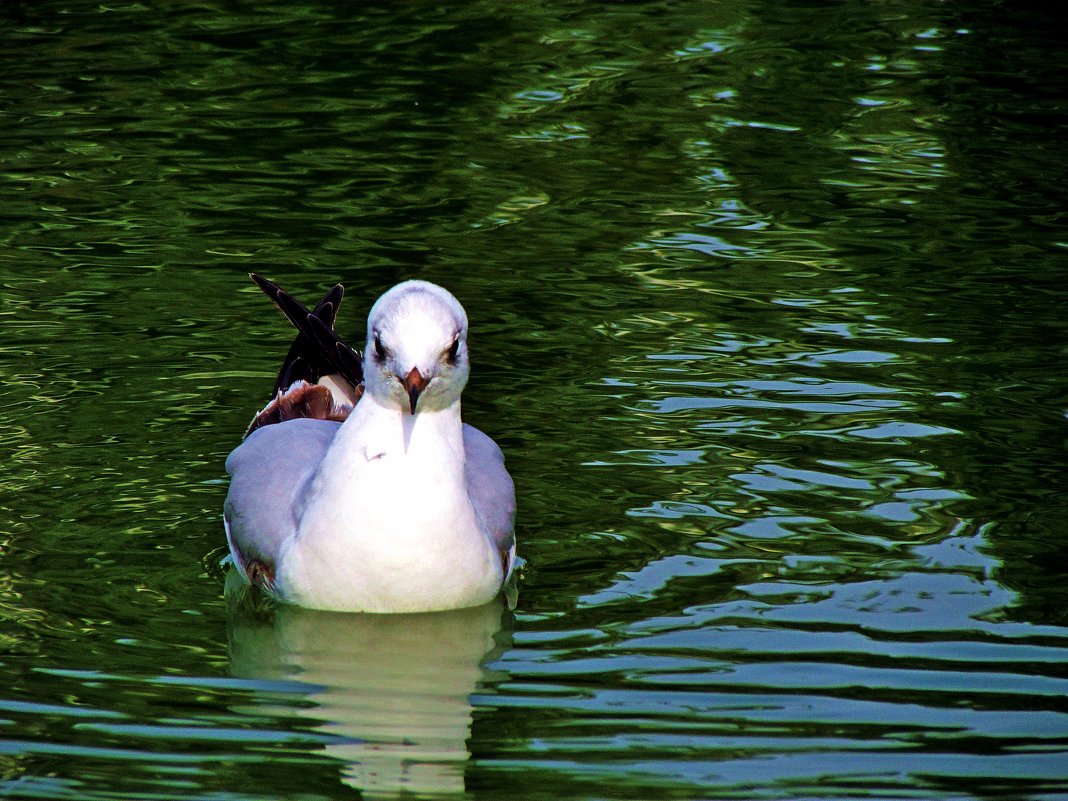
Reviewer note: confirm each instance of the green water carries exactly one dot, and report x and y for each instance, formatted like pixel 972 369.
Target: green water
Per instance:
pixel 768 314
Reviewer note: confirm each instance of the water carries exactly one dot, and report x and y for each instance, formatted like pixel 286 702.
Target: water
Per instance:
pixel 767 309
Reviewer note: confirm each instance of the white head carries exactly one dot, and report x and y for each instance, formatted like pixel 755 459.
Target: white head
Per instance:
pixel 415 358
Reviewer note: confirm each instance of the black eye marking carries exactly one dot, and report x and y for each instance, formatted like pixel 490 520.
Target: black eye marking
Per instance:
pixel 453 351
pixel 380 349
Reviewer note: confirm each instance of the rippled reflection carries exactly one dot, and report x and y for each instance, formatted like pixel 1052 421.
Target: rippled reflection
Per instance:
pixel 389 692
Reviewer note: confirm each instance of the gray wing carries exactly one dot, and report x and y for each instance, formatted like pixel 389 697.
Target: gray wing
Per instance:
pixel 491 491
pixel 268 471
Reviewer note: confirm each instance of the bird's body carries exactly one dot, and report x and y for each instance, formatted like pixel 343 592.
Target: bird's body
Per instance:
pixel 400 507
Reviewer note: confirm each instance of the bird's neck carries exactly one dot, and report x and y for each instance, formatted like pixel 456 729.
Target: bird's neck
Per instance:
pixel 377 437
pixel 375 431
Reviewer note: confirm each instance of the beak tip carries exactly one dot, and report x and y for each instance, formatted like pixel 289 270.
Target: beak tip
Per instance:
pixel 415 384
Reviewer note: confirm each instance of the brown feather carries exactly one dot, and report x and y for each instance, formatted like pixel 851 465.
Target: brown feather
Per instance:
pixel 504 554
pixel 260 574
pixel 302 400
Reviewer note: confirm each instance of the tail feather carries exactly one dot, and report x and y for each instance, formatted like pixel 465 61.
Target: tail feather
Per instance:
pixel 317 350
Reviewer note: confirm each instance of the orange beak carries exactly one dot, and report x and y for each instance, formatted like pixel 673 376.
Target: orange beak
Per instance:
pixel 414 383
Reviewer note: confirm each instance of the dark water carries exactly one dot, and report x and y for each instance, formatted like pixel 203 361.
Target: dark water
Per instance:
pixel 768 306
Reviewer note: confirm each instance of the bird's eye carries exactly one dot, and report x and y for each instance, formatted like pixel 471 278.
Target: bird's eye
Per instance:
pixel 380 349
pixel 453 351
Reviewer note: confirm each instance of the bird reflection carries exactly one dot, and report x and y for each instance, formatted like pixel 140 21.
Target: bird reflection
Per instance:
pixel 392 691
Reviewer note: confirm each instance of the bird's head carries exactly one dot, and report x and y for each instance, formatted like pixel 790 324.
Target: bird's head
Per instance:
pixel 416 357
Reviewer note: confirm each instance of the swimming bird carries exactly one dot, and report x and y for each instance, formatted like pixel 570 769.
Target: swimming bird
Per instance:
pixel 358 487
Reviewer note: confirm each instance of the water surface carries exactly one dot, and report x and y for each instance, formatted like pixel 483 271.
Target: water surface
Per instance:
pixel 767 308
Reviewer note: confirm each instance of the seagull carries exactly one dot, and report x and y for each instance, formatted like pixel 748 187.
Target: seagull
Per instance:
pixel 358 487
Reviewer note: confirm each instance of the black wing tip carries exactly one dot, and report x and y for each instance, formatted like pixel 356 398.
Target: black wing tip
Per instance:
pixel 268 286
pixel 318 349
pixel 327 308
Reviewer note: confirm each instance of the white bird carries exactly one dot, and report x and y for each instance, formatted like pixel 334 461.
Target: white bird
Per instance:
pixel 358 487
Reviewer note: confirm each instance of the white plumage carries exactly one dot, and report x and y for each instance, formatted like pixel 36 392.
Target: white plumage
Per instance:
pixel 399 508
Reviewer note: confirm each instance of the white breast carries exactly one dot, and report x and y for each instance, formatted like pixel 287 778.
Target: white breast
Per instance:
pixel 387 524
